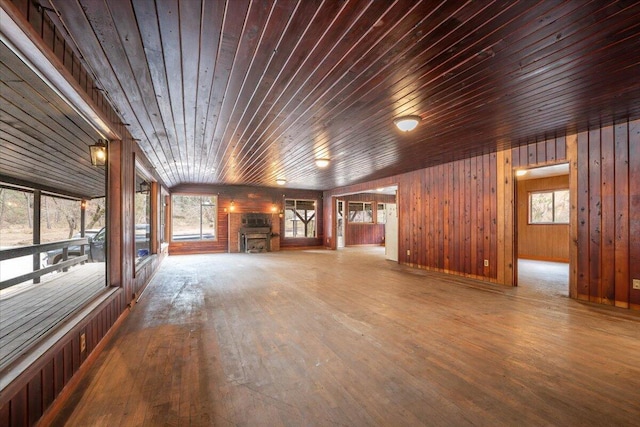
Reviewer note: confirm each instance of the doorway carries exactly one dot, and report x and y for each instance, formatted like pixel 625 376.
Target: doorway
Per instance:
pixel 391 232
pixel 542 229
pixel 340 224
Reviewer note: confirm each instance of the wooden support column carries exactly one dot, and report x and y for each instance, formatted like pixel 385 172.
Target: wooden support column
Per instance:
pixel 37 209
pixel 505 195
pixel 572 157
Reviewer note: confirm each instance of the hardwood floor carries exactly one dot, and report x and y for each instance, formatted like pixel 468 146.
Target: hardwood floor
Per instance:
pixel 346 338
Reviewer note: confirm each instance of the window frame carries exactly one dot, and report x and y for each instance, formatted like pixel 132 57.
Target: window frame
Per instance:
pixel 384 213
pixel 213 197
pixel 364 210
pixel 313 218
pixel 552 192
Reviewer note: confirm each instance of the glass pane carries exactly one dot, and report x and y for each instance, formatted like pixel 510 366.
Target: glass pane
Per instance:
pixel 194 217
pixel 368 212
pixel 185 212
pixel 208 221
pixel 381 214
pixel 95 216
pixel 561 206
pixel 299 218
pixel 59 219
pixel 541 208
pixel 16 229
pixel 142 205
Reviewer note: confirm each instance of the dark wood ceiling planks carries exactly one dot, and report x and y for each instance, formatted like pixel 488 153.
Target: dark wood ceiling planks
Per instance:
pixel 244 92
pixel 42 139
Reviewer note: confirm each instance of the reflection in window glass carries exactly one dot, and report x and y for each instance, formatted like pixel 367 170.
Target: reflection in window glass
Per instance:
pixel 142 218
pixel 300 218
pixel 549 207
pixel 361 212
pixel 59 219
pixel 193 217
pixel 16 218
pixel 16 229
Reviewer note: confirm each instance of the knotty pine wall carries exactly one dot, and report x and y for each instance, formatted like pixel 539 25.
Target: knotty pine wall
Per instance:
pixel 606 228
pixel 247 199
pixel 453 216
pixel 541 241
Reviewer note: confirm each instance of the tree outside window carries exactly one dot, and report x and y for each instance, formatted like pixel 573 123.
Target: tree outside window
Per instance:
pixel 300 218
pixel 193 217
pixel 361 212
pixel 549 207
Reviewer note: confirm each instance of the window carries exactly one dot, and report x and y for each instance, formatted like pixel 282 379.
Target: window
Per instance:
pixel 381 213
pixel 193 217
pixel 142 205
pixel 164 201
pixel 361 212
pixel 300 218
pixel 549 207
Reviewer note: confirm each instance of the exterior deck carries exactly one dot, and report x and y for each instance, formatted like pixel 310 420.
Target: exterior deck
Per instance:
pixel 28 312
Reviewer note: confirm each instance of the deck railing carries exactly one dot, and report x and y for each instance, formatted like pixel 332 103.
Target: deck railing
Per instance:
pixel 36 250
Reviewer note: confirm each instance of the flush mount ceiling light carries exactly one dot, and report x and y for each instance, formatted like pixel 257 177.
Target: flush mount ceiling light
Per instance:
pixel 281 181
pixel 407 123
pixel 322 163
pixel 521 172
pixel 99 153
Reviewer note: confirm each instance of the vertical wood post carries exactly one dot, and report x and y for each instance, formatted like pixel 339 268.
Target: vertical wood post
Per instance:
pixel 572 157
pixel 37 197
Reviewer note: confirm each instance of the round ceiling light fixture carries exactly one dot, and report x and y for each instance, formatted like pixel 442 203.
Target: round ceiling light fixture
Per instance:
pixel 521 172
pixel 322 163
pixel 407 123
pixel 281 181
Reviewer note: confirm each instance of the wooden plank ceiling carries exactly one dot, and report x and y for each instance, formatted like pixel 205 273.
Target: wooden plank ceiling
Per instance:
pixel 42 139
pixel 245 92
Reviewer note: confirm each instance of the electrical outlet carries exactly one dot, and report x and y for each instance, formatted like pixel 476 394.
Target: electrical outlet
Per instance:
pixel 486 263
pixel 636 284
pixel 83 342
pixel 408 252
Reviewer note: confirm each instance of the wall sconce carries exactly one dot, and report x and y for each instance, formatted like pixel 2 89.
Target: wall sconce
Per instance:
pixel 322 163
pixel 274 207
pixel 83 204
pixel 99 153
pixel 232 206
pixel 145 187
pixel 407 123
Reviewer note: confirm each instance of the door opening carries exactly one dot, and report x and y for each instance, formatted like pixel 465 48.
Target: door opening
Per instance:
pixel 542 229
pixel 340 224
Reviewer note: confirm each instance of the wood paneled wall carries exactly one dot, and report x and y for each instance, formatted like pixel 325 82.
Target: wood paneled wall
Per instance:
pixel 365 234
pixel 247 199
pixel 549 151
pixel 453 216
pixel 35 389
pixel 26 399
pixel 541 241
pixel 606 164
pixel 446 217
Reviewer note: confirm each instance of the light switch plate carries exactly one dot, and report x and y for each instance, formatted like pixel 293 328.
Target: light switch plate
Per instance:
pixel 636 283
